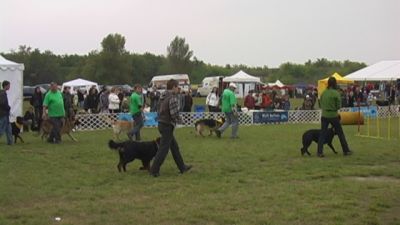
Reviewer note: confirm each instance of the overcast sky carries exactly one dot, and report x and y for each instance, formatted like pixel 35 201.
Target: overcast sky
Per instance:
pixel 252 32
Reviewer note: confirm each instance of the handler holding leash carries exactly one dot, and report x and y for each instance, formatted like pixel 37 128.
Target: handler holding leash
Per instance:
pixel 230 109
pixel 53 109
pixel 168 116
pixel 330 103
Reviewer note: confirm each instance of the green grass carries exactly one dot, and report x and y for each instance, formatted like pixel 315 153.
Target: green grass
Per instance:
pixel 258 179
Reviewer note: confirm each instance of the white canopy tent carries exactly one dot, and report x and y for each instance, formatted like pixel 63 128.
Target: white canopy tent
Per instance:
pixel 381 71
pixel 244 82
pixel 79 84
pixel 277 83
pixel 13 72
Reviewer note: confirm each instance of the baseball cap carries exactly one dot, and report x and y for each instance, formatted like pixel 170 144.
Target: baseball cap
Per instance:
pixel 232 85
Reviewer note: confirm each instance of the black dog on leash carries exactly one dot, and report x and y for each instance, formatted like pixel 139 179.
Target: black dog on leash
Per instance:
pixel 313 135
pixel 131 150
pixel 16 129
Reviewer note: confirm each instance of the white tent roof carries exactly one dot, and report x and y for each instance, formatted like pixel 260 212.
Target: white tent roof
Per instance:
pixel 79 82
pixel 242 77
pixel 276 83
pixel 9 65
pixel 384 70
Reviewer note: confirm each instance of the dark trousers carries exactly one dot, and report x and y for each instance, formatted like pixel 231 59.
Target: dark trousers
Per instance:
pixel 212 108
pixel 138 124
pixel 55 134
pixel 338 130
pixel 38 117
pixel 167 141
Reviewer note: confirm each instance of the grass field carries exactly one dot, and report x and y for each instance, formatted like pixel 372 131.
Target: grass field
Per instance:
pixel 257 179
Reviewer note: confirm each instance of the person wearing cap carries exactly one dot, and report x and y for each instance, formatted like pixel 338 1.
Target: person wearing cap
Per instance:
pixel 330 103
pixel 230 109
pixel 53 109
pixel 308 103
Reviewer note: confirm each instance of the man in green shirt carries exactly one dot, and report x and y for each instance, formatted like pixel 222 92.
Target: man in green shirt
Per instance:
pixel 136 109
pixel 53 109
pixel 230 109
pixel 330 103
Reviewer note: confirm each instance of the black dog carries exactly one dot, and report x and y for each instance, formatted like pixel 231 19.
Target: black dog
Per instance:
pixel 130 150
pixel 16 128
pixel 313 135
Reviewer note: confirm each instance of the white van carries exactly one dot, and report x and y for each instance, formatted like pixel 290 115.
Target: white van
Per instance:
pixel 160 82
pixel 207 85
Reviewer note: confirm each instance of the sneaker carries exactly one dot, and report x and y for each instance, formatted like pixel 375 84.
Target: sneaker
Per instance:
pixel 321 155
pixel 186 168
pixel 218 133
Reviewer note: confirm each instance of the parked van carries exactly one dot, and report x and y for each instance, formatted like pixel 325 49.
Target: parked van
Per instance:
pixel 160 81
pixel 208 84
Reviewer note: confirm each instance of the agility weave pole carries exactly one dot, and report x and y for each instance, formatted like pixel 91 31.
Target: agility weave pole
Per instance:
pixel 385 125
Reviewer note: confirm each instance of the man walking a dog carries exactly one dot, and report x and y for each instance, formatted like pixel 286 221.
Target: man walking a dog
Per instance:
pixel 136 109
pixel 168 117
pixel 5 126
pixel 230 109
pixel 53 109
pixel 330 103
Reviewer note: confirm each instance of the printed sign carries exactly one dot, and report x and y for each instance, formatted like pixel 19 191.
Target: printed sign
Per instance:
pixel 151 119
pixel 270 117
pixel 371 111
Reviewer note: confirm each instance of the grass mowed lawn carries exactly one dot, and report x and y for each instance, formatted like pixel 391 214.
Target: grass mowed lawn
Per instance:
pixel 258 179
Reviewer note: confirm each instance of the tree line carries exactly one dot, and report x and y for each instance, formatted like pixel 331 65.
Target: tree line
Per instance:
pixel 113 64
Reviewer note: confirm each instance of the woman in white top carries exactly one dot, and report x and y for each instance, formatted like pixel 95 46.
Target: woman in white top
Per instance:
pixel 113 101
pixel 213 100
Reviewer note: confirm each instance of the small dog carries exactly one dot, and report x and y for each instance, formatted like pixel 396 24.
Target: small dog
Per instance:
pixel 120 126
pixel 67 127
pixel 16 128
pixel 313 135
pixel 130 150
pixel 210 124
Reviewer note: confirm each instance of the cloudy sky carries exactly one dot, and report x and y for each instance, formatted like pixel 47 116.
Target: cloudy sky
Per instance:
pixel 252 32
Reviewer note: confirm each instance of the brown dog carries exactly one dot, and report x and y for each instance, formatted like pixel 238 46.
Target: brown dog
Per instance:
pixel 120 126
pixel 67 127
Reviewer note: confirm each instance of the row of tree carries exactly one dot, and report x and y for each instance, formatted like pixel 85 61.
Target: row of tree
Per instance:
pixel 115 65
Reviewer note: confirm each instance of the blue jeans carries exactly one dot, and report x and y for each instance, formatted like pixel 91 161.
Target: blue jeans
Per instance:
pixel 138 124
pixel 5 127
pixel 230 119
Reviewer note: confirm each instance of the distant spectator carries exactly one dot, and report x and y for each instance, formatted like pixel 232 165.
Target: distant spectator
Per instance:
pixel 113 101
pixel 91 101
pixel 81 98
pixel 53 109
pixel 121 96
pixel 212 100
pixel 29 118
pixel 266 101
pixel 249 101
pixel 188 102
pixel 37 104
pixel 286 103
pixel 308 104
pixel 154 99
pixel 258 101
pixel 103 101
pixel 67 98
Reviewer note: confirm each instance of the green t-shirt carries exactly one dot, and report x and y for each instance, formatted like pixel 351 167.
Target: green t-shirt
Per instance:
pixel 330 103
pixel 54 103
pixel 228 100
pixel 135 103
